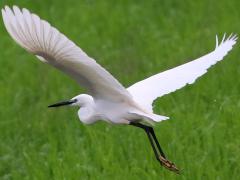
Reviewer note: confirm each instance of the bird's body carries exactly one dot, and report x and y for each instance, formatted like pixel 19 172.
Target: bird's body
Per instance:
pixel 93 110
pixel 108 111
pixel 108 100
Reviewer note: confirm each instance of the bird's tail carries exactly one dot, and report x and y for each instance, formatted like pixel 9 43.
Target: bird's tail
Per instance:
pixel 150 118
pixel 158 118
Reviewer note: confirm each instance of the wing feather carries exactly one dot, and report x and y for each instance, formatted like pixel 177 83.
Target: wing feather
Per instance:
pixel 146 91
pixel 49 45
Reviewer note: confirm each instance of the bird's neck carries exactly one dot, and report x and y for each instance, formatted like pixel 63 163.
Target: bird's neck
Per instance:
pixel 87 113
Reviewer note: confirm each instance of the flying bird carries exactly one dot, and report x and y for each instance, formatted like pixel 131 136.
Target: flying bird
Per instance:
pixel 107 99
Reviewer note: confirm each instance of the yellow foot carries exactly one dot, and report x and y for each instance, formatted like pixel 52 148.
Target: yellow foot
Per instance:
pixel 168 164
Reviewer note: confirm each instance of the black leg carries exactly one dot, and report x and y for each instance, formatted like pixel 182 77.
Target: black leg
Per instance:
pixel 153 141
pixel 156 141
pixel 152 137
pixel 147 130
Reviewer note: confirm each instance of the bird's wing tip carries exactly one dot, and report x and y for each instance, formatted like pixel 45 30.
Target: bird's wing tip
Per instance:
pixel 6 8
pixel 232 37
pixel 216 41
pixel 11 8
pixel 16 8
pixel 3 11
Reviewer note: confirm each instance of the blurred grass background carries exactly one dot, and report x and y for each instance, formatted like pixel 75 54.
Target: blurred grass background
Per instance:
pixel 133 40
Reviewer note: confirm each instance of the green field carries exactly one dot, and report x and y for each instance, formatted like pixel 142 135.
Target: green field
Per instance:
pixel 133 40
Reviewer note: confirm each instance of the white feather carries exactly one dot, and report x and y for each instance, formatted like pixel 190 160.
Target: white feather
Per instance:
pixel 49 45
pixel 147 90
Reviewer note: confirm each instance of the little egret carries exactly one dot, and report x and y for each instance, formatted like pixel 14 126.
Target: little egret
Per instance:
pixel 108 100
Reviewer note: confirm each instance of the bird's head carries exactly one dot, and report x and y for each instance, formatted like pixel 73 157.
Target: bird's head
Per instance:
pixel 80 100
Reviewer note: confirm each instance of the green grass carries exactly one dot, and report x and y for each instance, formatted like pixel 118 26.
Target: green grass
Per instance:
pixel 133 40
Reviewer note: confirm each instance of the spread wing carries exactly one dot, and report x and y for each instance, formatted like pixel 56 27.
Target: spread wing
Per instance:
pixel 49 45
pixel 146 91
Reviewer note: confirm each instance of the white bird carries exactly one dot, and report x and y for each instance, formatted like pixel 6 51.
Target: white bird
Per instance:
pixel 107 100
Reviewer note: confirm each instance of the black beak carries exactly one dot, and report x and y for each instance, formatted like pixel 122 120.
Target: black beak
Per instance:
pixel 63 103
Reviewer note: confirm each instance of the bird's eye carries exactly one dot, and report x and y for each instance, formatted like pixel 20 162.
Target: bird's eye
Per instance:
pixel 74 100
